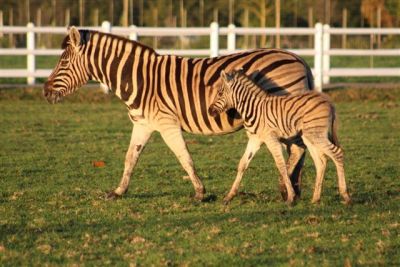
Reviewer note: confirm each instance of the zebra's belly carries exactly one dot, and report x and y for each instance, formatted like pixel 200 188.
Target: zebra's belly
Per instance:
pixel 293 139
pixel 137 117
pixel 224 124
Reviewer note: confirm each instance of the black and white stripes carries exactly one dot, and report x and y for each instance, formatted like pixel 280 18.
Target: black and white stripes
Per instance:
pixel 168 93
pixel 307 117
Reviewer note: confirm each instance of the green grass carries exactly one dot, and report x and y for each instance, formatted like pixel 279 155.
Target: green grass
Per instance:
pixel 53 212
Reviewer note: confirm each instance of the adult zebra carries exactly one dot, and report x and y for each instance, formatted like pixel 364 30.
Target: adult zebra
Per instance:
pixel 168 93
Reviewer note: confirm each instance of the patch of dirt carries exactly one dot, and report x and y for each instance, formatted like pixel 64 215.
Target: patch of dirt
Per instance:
pixel 368 116
pixel 391 95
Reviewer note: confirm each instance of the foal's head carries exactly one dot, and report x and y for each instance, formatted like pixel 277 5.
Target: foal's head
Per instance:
pixel 224 100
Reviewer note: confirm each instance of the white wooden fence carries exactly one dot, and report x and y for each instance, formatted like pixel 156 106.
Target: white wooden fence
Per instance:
pixel 321 51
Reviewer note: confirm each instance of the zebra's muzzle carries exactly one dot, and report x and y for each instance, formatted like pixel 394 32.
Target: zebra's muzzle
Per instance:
pixel 51 95
pixel 212 111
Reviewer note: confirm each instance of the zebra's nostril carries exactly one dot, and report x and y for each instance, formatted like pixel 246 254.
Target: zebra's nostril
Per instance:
pixel 48 85
pixel 48 91
pixel 212 112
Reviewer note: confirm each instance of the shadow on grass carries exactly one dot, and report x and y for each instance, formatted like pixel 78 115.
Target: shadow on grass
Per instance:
pixel 106 196
pixel 210 198
pixel 148 195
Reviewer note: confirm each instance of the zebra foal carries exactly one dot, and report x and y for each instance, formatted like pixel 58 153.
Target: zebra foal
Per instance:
pixel 307 117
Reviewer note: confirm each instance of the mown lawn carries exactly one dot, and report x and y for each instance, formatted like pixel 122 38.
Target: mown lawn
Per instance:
pixel 53 211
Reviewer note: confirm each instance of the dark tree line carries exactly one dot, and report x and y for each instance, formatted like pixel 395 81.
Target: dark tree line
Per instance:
pixel 197 13
pixel 257 13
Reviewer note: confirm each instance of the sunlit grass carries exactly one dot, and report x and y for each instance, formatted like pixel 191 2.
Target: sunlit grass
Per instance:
pixel 52 207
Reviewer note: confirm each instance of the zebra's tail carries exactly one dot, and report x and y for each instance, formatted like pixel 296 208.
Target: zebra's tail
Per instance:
pixel 334 138
pixel 310 77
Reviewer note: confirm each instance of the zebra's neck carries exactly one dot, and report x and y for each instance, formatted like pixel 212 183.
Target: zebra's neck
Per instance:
pixel 245 93
pixel 116 62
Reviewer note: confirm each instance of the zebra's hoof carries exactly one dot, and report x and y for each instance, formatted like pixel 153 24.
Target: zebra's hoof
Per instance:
pixel 297 191
pixel 347 201
pixel 199 197
pixel 200 193
pixel 291 199
pixel 284 194
pixel 291 203
pixel 315 201
pixel 227 200
pixel 112 196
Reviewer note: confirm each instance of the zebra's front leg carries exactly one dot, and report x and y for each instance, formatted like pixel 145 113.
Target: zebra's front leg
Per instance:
pixel 140 135
pixel 253 146
pixel 172 136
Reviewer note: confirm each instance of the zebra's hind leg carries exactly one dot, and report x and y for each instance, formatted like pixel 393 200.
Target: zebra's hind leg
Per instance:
pixel 140 135
pixel 295 165
pixel 172 136
pixel 336 154
pixel 320 165
pixel 275 148
pixel 253 146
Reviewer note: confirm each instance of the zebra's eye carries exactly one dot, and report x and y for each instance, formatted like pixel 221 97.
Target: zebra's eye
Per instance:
pixel 64 62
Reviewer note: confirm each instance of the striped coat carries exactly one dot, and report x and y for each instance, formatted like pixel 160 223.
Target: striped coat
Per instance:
pixel 167 93
pixel 307 117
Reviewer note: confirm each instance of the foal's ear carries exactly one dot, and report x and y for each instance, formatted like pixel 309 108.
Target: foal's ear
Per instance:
pixel 74 36
pixel 240 71
pixel 226 77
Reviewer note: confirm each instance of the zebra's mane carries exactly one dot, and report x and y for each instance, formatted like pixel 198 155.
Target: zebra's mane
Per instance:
pixel 245 81
pixel 86 34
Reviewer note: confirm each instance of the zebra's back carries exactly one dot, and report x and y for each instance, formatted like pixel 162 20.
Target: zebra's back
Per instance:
pixel 157 86
pixel 188 86
pixel 292 114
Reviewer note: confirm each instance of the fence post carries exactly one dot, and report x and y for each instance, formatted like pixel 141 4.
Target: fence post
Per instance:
pixel 326 45
pixel 318 57
pixel 106 27
pixel 30 59
pixel 231 38
pixel 214 46
pixel 133 35
pixel 1 22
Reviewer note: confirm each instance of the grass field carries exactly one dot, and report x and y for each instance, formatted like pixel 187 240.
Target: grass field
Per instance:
pixel 53 211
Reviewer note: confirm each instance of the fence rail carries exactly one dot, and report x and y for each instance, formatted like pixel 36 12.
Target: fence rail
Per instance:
pixel 321 51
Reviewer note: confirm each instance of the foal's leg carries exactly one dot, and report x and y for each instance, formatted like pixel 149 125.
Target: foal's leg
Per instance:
pixel 253 146
pixel 275 148
pixel 320 165
pixel 294 165
pixel 336 154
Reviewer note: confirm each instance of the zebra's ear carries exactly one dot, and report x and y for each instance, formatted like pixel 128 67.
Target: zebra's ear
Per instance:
pixel 226 77
pixel 74 36
pixel 241 71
